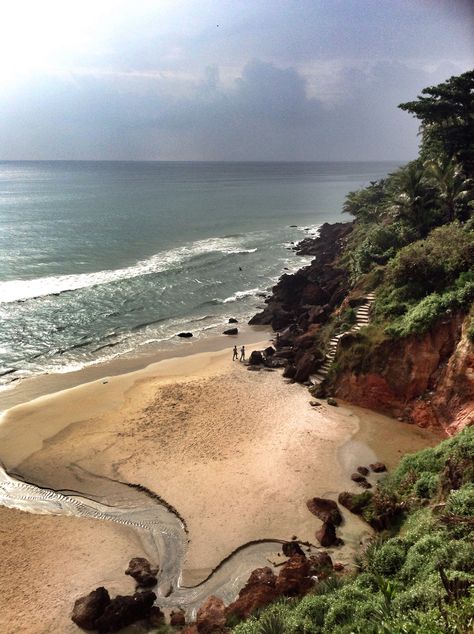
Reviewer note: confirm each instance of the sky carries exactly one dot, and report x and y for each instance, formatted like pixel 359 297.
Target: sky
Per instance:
pixel 276 80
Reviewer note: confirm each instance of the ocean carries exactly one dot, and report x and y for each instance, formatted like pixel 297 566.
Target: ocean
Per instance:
pixel 104 259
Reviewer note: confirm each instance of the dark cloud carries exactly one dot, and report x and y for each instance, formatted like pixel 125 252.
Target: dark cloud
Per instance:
pixel 265 113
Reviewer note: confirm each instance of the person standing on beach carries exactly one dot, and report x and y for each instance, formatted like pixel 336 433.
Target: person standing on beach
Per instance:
pixel 235 355
pixel 242 353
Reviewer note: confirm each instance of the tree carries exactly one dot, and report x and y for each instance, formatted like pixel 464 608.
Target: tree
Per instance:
pixel 454 191
pixel 412 198
pixel 446 112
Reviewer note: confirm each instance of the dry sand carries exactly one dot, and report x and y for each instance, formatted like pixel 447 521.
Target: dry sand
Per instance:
pixel 237 453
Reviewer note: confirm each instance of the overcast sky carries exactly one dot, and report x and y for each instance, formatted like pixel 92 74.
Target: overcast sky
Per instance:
pixel 222 80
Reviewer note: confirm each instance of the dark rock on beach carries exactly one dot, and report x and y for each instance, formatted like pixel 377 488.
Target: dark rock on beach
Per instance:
pixel 363 471
pixel 231 331
pixel 331 401
pixel 378 467
pixel 233 320
pixel 256 358
pixel 140 569
pixel 89 608
pixel 325 510
pixel 185 335
pixel 97 611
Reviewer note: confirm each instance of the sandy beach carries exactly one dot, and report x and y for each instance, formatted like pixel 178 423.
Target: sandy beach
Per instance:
pixel 237 453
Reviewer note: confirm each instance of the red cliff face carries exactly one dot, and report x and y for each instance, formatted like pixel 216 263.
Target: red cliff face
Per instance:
pixel 428 380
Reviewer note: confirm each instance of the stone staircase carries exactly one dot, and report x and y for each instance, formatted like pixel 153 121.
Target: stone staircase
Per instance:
pixel 362 314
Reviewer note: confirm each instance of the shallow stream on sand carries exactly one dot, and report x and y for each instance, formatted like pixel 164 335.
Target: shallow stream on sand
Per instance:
pixel 161 530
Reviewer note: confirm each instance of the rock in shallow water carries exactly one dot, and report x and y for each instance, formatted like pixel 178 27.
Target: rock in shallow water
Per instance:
pixel 140 569
pixel 325 510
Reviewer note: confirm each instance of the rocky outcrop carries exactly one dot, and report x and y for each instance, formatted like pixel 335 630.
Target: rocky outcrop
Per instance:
pixel 310 295
pixel 427 380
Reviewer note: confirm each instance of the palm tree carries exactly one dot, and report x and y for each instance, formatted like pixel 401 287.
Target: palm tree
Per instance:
pixel 412 199
pixel 454 190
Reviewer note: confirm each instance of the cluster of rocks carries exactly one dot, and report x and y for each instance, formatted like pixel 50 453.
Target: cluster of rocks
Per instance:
pixel 98 612
pixel 268 358
pixel 296 577
pixel 300 303
pixel 361 473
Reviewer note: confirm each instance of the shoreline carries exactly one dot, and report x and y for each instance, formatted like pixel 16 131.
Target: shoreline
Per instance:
pixel 29 388
pixel 238 475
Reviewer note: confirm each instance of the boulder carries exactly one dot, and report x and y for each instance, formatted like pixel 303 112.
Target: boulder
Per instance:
pixel 364 484
pixel 233 320
pixel 231 331
pixel 89 608
pixel 185 335
pixel 363 471
pixel 292 548
pixel 315 403
pixel 256 358
pixel 295 577
pixel 378 467
pixel 338 566
pixel 326 510
pixel 211 616
pixel 331 401
pixel 269 352
pixel 326 535
pixel 125 610
pixel 177 619
pixel 354 502
pixel 140 569
pixel 357 477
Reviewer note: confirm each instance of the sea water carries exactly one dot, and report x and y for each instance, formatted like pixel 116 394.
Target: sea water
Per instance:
pixel 99 259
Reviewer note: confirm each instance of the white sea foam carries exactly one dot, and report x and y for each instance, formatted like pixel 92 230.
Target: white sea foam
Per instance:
pixel 16 290
pixel 240 295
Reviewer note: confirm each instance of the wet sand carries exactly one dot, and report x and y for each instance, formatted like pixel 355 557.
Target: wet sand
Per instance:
pixel 237 453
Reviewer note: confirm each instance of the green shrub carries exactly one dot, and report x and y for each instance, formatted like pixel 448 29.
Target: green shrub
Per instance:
pixel 461 502
pixel 388 558
pixel 427 485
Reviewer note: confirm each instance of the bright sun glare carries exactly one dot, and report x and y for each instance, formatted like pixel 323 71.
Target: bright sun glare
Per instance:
pixel 42 35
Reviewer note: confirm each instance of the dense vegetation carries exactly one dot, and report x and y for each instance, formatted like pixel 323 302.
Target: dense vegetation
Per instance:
pixel 413 238
pixel 416 578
